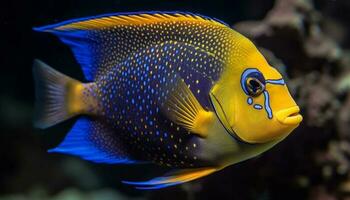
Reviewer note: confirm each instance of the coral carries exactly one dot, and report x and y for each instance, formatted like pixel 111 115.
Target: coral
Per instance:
pixel 318 69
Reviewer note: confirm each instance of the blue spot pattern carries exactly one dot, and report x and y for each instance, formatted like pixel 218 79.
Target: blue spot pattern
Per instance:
pixel 133 92
pixel 99 50
pixel 257 107
pixel 250 100
pixel 135 68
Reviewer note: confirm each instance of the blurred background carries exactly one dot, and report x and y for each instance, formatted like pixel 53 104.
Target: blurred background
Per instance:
pixel 308 41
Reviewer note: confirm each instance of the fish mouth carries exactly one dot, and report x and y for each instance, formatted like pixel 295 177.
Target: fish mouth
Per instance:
pixel 289 116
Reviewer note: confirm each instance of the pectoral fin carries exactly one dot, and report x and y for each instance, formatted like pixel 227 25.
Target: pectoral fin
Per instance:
pixel 173 178
pixel 182 107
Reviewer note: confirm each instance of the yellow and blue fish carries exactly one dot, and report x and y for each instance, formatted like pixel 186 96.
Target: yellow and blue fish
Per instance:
pixel 175 89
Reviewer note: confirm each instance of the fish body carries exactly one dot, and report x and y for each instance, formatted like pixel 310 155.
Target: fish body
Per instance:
pixel 174 89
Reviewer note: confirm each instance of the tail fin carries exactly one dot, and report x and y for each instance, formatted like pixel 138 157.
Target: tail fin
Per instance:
pixel 53 92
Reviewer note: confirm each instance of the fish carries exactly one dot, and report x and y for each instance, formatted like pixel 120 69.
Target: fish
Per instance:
pixel 174 89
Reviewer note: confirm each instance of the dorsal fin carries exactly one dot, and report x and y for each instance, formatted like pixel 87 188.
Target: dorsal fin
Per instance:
pixel 133 18
pixel 104 41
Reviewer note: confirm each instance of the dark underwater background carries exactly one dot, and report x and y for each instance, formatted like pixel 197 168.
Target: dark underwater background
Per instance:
pixel 308 41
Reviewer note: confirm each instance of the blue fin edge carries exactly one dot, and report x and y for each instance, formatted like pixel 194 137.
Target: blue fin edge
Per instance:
pixel 155 183
pixel 76 143
pixel 52 26
pixel 78 42
pixel 150 185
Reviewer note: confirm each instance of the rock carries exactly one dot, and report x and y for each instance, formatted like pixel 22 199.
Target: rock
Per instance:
pixel 292 30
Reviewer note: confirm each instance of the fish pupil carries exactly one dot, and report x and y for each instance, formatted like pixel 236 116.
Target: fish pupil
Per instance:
pixel 254 84
pixel 255 87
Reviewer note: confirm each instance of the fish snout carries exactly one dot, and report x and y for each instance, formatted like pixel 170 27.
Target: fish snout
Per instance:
pixel 289 116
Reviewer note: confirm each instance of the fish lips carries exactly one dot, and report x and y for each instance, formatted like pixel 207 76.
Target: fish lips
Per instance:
pixel 289 116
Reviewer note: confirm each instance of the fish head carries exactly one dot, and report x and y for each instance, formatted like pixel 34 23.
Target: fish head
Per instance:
pixel 253 103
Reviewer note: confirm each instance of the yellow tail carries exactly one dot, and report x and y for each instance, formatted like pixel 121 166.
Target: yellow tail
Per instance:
pixel 58 97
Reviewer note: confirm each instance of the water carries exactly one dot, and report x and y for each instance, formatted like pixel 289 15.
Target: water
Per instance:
pixel 308 42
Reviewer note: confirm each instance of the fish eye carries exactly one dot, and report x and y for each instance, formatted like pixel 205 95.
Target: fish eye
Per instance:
pixel 254 86
pixel 253 82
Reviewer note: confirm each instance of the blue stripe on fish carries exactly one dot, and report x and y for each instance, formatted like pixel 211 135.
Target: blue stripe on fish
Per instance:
pixel 267 105
pixel 244 77
pixel 276 81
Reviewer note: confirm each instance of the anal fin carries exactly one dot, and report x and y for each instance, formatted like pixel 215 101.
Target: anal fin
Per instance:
pixel 172 178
